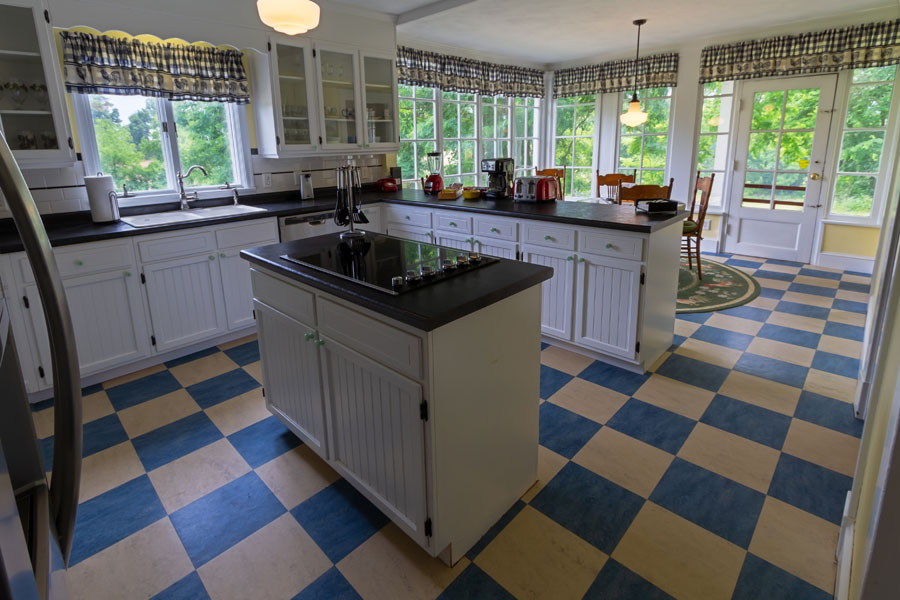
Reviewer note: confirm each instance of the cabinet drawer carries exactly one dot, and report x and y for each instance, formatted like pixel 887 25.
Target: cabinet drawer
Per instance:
pixel 599 241
pixel 177 246
pixel 409 216
pixel 543 234
pixel 388 345
pixel 455 221
pixel 501 229
pixel 248 234
pixel 295 302
pixel 85 259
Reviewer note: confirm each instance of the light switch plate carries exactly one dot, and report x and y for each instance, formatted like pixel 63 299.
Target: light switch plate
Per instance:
pixel 267 179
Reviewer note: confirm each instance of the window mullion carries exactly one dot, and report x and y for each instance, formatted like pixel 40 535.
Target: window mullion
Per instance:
pixel 170 147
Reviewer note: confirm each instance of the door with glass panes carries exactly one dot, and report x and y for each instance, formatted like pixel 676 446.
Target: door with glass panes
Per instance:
pixel 777 189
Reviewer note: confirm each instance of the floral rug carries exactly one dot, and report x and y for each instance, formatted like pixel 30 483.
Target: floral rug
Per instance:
pixel 722 287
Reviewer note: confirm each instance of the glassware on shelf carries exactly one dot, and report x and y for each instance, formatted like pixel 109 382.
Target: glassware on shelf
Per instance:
pixel 16 91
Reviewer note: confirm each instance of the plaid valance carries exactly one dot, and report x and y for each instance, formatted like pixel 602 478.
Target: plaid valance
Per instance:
pixel 100 64
pixel 870 45
pixel 465 75
pixel 617 76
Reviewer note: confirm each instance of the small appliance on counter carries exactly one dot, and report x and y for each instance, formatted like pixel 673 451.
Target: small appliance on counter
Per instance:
pixel 103 198
pixel 500 177
pixel 434 183
pixel 536 189
pixel 387 184
pixel 658 206
pixel 306 186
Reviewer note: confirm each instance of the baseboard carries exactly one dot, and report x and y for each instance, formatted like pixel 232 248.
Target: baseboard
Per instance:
pixel 844 554
pixel 845 262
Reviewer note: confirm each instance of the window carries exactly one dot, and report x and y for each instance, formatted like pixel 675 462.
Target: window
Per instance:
pixel 643 149
pixel 573 147
pixel 715 135
pixel 526 132
pixel 862 142
pixel 459 139
pixel 494 128
pixel 418 132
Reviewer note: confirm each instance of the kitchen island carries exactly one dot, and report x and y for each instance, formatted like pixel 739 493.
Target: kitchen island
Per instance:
pixel 424 395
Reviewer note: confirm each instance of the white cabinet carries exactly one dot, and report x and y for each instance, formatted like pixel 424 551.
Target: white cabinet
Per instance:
pixel 379 100
pixel 418 234
pixel 557 292
pixel 497 248
pixel 337 69
pixel 373 214
pixel 237 290
pixel 450 240
pixel 607 304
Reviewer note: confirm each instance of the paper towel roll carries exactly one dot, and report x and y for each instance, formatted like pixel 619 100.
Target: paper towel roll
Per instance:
pixel 102 196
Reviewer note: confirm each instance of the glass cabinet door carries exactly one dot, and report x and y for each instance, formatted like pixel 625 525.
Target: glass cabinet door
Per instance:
pixel 379 94
pixel 337 77
pixel 293 81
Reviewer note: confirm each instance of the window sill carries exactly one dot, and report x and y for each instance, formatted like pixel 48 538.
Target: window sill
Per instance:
pixel 169 197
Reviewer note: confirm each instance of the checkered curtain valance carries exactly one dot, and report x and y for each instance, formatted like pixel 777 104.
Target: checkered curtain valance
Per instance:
pixel 466 75
pixel 100 64
pixel 869 45
pixel 659 70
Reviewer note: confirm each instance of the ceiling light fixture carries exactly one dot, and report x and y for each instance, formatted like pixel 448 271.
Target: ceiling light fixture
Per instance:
pixel 634 117
pixel 289 16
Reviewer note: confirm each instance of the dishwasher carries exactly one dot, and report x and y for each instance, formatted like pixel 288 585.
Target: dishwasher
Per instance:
pixel 306 226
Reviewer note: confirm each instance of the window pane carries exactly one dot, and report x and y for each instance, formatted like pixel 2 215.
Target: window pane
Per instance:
pixel 874 74
pixel 451 120
pixel 654 151
pixel 584 120
pixel 790 190
pixel 519 122
pixel 861 151
pixel 581 183
pixel 657 115
pixel 767 110
pixel 706 152
pixel 487 121
pixel 712 88
pixel 425 120
pixel 406 120
pixel 757 189
pixel 565 121
pixel 467 150
pixel 761 151
pixel 503 149
pixel 405 90
pixel 795 150
pixel 652 177
pixel 406 160
pixel 450 95
pixel 422 150
pixel 487 150
pixel 203 139
pixel 424 92
pixel 716 116
pixel 502 123
pixel 451 158
pixel 630 151
pixel 467 97
pixel 853 195
pixel 563 152
pixel 801 109
pixel 128 139
pixel 584 150
pixel 869 105
pixel 467 120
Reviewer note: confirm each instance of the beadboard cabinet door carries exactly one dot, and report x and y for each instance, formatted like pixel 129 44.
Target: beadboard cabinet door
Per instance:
pixel 459 242
pixel 496 248
pixel 607 306
pixel 557 293
pixel 238 291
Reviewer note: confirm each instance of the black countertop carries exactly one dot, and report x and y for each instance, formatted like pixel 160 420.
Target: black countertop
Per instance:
pixel 426 308
pixel 76 228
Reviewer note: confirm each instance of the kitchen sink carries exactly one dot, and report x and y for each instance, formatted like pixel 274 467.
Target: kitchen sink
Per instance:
pixel 194 214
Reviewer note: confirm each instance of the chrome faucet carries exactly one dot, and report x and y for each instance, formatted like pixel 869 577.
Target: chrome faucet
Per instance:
pixel 181 194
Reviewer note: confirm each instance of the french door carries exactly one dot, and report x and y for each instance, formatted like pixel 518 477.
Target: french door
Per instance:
pixel 777 189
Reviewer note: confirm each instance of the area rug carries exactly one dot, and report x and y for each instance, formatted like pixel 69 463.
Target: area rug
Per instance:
pixel 722 287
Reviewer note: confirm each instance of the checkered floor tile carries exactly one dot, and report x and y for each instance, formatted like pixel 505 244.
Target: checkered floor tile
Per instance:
pixel 720 474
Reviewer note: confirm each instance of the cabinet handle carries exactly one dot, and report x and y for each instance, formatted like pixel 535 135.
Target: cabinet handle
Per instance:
pixel 79 263
pixel 429 234
pixel 308 336
pixel 359 145
pixel 570 258
pixel 452 224
pixel 548 237
pixel 221 255
pixel 495 230
pixel 320 343
pixel 580 259
pixel 212 257
pixel 609 245
pixel 406 217
pixel 127 273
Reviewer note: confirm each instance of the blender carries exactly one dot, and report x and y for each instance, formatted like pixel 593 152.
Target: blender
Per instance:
pixel 434 183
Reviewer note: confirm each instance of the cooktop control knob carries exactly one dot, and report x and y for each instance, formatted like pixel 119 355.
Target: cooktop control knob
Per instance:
pixel 474 257
pixel 412 276
pixel 427 271
pixel 462 260
pixel 448 264
pixel 397 281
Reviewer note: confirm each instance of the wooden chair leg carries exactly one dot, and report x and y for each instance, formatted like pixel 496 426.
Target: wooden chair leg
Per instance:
pixel 697 250
pixel 688 242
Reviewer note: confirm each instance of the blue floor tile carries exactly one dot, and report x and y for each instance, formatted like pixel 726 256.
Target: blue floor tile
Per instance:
pixel 42 405
pixel 245 353
pixel 828 412
pixel 837 364
pixel 821 274
pixel 803 310
pixel 188 588
pixel 850 306
pixel 219 520
pixel 101 434
pixel 786 263
pixel 815 290
pixel 261 442
pixel 91 389
pixel 563 431
pixel 191 357
pixel 762 272
pixel 331 585
pixel 788 335
pixel 761 580
pixel 339 519
pixel 544 345
pixel 737 262
pixel 113 516
pixel 748 312
pixel 222 387
pixel 723 337
pixel 767 292
pixel 496 528
pixel 590 506
pixel 170 442
pixel 772 369
pixel 842 330
pixel 614 378
pixel 694 372
pixel 677 340
pixel 695 317
pixel 808 486
pixel 655 426
pixel 143 389
pixel 858 273
pixel 863 288
pixel 616 582
pixel 747 420
pixel 552 381
pixel 474 584
pixel 713 502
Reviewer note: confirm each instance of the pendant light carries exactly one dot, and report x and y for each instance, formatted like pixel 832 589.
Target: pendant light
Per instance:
pixel 634 117
pixel 289 16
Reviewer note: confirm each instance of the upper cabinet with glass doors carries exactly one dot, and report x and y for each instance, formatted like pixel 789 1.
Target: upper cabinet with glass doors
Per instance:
pixel 32 107
pixel 379 100
pixel 339 105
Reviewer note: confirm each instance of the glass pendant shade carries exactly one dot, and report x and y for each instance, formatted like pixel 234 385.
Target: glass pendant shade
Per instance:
pixel 634 117
pixel 289 16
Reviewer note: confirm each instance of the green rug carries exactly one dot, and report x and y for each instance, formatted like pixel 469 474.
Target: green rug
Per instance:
pixel 722 287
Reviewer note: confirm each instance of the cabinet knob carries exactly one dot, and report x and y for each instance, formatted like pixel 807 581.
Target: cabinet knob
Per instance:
pixel 221 255
pixel 570 258
pixel 359 145
pixel 308 336
pixel 212 257
pixel 127 273
pixel 495 230
pixel 320 343
pixel 548 238
pixel 407 217
pixel 609 245
pixel 79 263
pixel 452 224
pixel 580 259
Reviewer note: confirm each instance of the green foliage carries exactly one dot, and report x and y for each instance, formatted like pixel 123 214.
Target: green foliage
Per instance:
pixel 203 140
pixel 135 163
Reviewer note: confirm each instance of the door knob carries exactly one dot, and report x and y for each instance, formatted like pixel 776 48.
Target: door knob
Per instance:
pixel 815 176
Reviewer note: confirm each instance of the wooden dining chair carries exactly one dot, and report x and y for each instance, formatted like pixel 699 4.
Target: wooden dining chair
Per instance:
pixel 608 185
pixel 560 175
pixel 644 192
pixel 692 229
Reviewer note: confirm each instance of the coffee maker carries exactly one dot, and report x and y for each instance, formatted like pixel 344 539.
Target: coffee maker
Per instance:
pixel 500 177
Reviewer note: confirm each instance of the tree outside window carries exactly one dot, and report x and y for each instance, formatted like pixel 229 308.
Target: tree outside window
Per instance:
pixel 714 136
pixel 418 132
pixel 573 146
pixel 643 148
pixel 494 128
pixel 526 132
pixel 459 138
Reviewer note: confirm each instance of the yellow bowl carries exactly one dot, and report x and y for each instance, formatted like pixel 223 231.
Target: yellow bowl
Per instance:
pixel 471 194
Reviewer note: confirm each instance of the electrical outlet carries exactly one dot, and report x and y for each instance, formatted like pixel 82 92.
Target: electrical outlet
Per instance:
pixel 296 178
pixel 267 180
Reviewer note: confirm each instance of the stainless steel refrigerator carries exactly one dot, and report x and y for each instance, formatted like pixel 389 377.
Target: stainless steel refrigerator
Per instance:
pixel 37 516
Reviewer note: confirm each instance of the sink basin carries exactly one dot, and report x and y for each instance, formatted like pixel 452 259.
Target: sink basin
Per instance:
pixel 194 214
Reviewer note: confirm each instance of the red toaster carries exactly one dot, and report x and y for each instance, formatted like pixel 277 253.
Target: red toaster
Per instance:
pixel 536 189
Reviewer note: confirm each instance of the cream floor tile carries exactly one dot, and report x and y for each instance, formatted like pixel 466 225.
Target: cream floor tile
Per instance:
pixel 679 557
pixel 844 347
pixel 775 284
pixel 203 368
pixel 536 558
pixel 799 355
pixel 796 321
pixel 140 566
pixel 190 477
pixel 107 469
pixel 296 475
pixel 709 353
pixel 239 412
pixel 747 257
pixel 93 406
pixel 831 385
pixel 389 565
pixel 549 464
pixel 764 303
pixel 685 328
pixel 659 361
pixel 852 296
pixel 810 299
pixel 273 563
pixel 589 400
pixel 133 376
pixel 731 456
pixel 822 446
pixel 734 324
pixel 781 268
pixel 856 278
pixel 747 270
pixel 673 395
pixel 564 360
pixel 718 259
pixel 761 392
pixel 624 460
pixel 255 370
pixel 237 342
pixel 149 415
pixel 847 318
pixel 797 541
pixel 819 281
